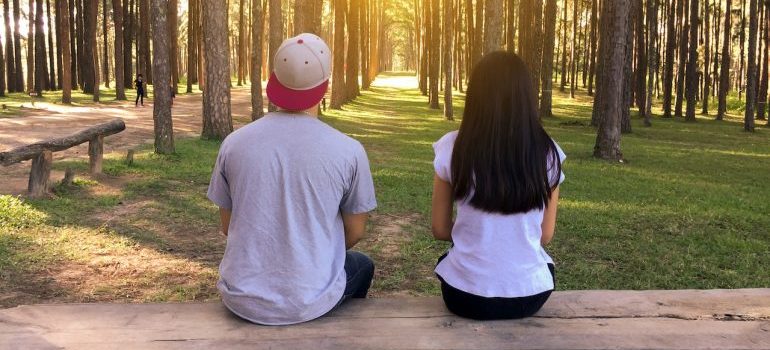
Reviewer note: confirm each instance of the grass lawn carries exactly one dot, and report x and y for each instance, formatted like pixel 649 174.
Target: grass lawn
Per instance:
pixel 688 210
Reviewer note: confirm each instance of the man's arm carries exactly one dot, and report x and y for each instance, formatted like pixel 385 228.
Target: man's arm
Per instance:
pixel 355 227
pixel 224 217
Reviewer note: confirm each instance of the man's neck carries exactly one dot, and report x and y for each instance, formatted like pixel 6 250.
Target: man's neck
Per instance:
pixel 311 112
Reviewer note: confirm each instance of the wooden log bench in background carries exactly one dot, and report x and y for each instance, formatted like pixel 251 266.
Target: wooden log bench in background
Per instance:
pixel 686 319
pixel 41 153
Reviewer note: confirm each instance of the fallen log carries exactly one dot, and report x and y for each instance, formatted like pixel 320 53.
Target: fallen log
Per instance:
pixel 94 133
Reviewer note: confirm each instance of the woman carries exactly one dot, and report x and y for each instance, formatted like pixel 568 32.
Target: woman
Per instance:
pixel 503 171
pixel 139 83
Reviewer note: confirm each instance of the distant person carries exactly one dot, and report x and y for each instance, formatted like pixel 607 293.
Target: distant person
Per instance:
pixel 503 172
pixel 140 90
pixel 173 94
pixel 294 196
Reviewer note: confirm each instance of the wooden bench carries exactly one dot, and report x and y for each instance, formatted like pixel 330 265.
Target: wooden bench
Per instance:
pixel 41 153
pixel 686 319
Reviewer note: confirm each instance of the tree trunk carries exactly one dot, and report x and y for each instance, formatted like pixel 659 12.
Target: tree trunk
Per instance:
pixel 573 49
pixel 752 71
pixel 94 48
pixel 338 67
pixel 614 28
pixel 241 39
pixel 434 46
pixel 652 54
pixel 217 120
pixel 31 46
pixel 192 42
pixel 79 42
pixel 353 60
pixel 90 16
pixel 563 84
pixel 173 33
pixel 106 59
pixel 62 10
pixel 628 71
pixel 276 36
pixel 366 79
pixel 510 25
pixel 51 52
pixel 724 74
pixel 641 59
pixel 19 79
pixel 742 55
pixel 546 77
pixel 257 105
pixel 706 58
pixel 530 37
pixel 117 16
pixel 593 44
pixel 692 64
pixel 763 85
pixel 161 62
pixel 10 63
pixel 680 76
pixel 447 51
pixel 425 56
pixel 493 25
pixel 129 22
pixel 143 42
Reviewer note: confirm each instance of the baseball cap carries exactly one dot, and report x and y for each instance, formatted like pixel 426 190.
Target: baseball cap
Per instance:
pixel 301 71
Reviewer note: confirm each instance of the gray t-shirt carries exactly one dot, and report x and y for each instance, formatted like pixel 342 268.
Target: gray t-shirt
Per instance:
pixel 287 178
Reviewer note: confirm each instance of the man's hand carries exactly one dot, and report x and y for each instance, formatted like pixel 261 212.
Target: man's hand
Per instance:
pixel 224 217
pixel 355 227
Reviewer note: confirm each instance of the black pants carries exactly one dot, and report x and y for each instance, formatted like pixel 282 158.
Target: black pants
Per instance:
pixel 139 96
pixel 477 307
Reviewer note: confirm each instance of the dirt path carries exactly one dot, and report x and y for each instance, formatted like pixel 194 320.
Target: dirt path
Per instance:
pixel 46 121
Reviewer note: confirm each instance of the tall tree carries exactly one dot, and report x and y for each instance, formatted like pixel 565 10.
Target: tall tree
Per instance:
pixel 493 25
pixel 510 25
pixel 2 73
pixel 240 47
pixel 683 45
pixel 192 41
pixel 724 73
pixel 574 48
pixel 74 64
pixel 31 45
pixel 763 84
pixel 338 67
pixel 668 69
pixel 752 71
pixel 257 106
pixel 173 32
pixel 613 35
pixel 51 51
pixel 117 17
pixel 425 53
pixel 10 63
pixel 641 58
pixel 563 84
pixel 41 64
pixel 106 46
pixel 652 54
pixel 19 80
pixel 161 110
pixel 546 77
pixel 593 43
pixel 531 37
pixel 217 120
pixel 434 45
pixel 447 51
pixel 353 61
pixel 128 43
pixel 62 10
pixel 143 65
pixel 90 72
pixel 307 16
pixel 706 57
pixel 276 35
pixel 692 63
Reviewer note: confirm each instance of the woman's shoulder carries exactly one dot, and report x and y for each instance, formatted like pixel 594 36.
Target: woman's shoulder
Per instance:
pixel 447 140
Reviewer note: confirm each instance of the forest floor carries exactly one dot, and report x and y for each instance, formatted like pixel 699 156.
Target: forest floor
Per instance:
pixel 689 209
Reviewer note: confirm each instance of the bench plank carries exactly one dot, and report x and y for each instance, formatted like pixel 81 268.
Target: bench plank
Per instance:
pixel 571 320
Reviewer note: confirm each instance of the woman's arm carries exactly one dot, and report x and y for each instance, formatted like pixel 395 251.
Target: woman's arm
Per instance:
pixel 441 211
pixel 549 217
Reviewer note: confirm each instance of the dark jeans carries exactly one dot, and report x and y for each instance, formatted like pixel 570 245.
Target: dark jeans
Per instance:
pixel 139 96
pixel 477 307
pixel 359 269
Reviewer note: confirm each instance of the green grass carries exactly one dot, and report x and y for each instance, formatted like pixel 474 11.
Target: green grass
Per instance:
pixel 687 210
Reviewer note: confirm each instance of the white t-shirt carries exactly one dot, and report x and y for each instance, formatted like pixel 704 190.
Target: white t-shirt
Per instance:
pixel 494 255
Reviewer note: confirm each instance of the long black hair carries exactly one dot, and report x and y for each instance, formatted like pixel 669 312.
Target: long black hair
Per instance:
pixel 502 153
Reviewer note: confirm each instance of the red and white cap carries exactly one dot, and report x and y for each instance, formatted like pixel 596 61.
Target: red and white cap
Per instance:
pixel 301 71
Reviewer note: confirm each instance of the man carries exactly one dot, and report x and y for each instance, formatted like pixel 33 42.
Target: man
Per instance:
pixel 293 194
pixel 139 83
